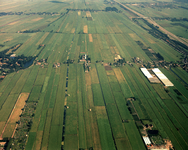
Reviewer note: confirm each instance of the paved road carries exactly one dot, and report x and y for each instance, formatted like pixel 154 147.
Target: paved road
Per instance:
pixel 171 35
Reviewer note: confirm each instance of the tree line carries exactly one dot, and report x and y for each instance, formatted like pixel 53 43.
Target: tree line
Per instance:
pixel 31 13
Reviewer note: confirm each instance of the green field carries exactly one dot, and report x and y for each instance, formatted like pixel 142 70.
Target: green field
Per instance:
pixel 107 107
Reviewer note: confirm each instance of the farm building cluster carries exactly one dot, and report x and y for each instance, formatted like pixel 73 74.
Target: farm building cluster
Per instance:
pixel 151 137
pixel 41 62
pixel 56 65
pixel 87 60
pixel 158 76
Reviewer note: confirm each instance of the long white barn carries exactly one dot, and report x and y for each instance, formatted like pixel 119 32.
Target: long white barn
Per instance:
pixel 162 77
pixel 146 73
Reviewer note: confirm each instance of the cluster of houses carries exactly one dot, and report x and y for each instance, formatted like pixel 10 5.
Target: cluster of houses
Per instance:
pixel 56 65
pixel 41 63
pixel 86 59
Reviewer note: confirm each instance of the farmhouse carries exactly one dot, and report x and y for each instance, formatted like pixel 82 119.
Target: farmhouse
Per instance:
pixel 56 65
pixel 117 58
pixel 83 57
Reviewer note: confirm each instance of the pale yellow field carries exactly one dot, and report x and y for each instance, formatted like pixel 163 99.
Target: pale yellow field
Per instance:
pixel 88 14
pixel 119 75
pixel 85 29
pixel 7 4
pixel 116 50
pixel 38 140
pixel 73 30
pixel 18 106
pixel 13 23
pixel 9 39
pixel 109 72
pixel 90 38
pixel 134 36
pixel 66 25
pixel 37 19
pixel 5 8
pixel 10 125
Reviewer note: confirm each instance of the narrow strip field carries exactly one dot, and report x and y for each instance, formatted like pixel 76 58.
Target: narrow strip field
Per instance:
pixel 10 125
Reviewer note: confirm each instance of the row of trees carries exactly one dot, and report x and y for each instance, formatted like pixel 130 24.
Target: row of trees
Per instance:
pixel 154 31
pixel 170 19
pixel 30 31
pixel 111 9
pixel 92 10
pixel 31 13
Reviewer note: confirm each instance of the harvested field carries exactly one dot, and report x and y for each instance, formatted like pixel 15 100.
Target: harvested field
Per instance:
pixel 9 39
pixel 88 14
pixel 119 75
pixel 90 38
pixel 13 49
pixel 116 50
pixel 109 72
pixel 73 30
pixel 13 23
pixel 7 4
pixel 85 29
pixel 14 131
pixel 15 114
pixel 21 101
pixel 37 19
pixel 6 8
pixel 134 36
pixel 79 13
pixel 66 25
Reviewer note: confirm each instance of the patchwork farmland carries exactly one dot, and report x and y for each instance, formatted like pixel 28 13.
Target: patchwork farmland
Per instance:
pixel 81 76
